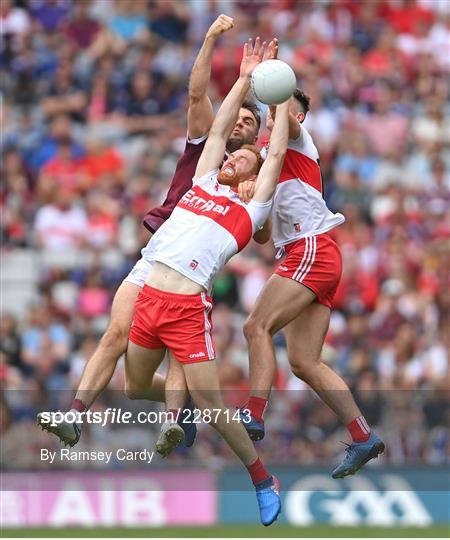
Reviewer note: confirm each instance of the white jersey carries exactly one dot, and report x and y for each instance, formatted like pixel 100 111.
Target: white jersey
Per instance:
pixel 207 227
pixel 299 209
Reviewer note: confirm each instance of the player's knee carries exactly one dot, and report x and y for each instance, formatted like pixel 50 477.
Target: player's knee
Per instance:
pixel 302 370
pixel 254 329
pixel 133 392
pixel 116 337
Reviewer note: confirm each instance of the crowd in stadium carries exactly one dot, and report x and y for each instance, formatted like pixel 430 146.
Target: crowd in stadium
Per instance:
pixel 94 97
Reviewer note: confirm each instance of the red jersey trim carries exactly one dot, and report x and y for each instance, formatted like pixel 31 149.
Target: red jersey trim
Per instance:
pixel 231 216
pixel 298 165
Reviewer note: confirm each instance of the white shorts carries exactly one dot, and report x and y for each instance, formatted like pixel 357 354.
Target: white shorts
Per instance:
pixel 139 272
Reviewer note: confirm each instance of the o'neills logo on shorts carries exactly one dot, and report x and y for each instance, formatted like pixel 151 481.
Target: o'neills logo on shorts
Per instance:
pixel 197 355
pixel 191 200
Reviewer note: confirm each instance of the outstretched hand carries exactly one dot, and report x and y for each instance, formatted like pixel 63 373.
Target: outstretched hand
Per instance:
pixel 272 50
pixel 253 55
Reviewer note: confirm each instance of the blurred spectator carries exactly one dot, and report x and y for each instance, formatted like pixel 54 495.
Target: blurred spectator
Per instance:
pixel 10 347
pixel 61 225
pixel 102 220
pixel 356 158
pixel 61 171
pixel 44 336
pixel 82 30
pixel 102 162
pixel 129 21
pixel 60 131
pixel 404 15
pixel 169 20
pixel 143 105
pixel 93 299
pixel 384 128
pixel 50 14
pixel 14 25
pixel 367 27
pixel 432 126
pixel 65 95
pixel 358 289
pixel 17 201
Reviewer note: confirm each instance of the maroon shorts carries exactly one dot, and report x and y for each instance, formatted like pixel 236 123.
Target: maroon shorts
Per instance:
pixel 316 262
pixel 179 322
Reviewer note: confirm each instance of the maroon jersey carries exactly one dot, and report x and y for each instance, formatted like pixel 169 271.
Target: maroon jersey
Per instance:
pixel 181 183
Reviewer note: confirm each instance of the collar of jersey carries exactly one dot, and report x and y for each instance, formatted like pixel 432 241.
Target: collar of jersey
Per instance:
pixel 227 190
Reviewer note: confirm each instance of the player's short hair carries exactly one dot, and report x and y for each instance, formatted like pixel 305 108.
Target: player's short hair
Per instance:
pixel 253 108
pixel 303 99
pixel 257 154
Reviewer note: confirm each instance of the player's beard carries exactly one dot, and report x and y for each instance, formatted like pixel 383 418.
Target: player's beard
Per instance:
pixel 236 142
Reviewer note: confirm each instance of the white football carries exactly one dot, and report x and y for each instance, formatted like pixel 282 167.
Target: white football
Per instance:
pixel 273 82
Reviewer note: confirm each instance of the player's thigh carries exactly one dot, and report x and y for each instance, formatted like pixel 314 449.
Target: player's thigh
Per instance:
pixel 141 364
pixel 305 335
pixel 203 383
pixel 281 301
pixel 175 374
pixel 122 309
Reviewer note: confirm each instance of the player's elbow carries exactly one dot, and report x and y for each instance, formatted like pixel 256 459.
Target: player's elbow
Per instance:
pixel 263 236
pixel 261 239
pixel 277 154
pixel 196 95
pixel 217 131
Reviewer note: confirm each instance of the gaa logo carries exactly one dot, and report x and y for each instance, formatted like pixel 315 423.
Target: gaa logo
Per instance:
pixel 360 501
pixel 193 264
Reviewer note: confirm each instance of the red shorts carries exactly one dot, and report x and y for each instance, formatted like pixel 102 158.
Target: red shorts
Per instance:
pixel 316 262
pixel 180 322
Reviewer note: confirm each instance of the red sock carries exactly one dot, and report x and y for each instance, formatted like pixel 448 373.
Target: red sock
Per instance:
pixel 359 429
pixel 78 405
pixel 258 472
pixel 256 406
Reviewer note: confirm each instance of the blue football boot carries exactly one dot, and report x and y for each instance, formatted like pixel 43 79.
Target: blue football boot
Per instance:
pixel 186 422
pixel 358 454
pixel 269 502
pixel 255 428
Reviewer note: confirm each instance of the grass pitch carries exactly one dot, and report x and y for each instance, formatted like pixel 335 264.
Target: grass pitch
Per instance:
pixel 235 531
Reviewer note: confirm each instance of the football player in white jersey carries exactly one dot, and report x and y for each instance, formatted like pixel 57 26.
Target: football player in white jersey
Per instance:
pixel 208 226
pixel 100 367
pixel 298 296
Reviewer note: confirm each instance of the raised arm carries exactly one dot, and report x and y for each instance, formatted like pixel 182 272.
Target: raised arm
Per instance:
pixel 200 111
pixel 212 155
pixel 270 171
pixel 294 125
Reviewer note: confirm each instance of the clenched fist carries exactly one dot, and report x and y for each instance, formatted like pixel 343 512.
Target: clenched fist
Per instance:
pixel 246 190
pixel 222 24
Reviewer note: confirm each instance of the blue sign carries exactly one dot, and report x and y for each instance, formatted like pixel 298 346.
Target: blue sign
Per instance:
pixel 415 497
